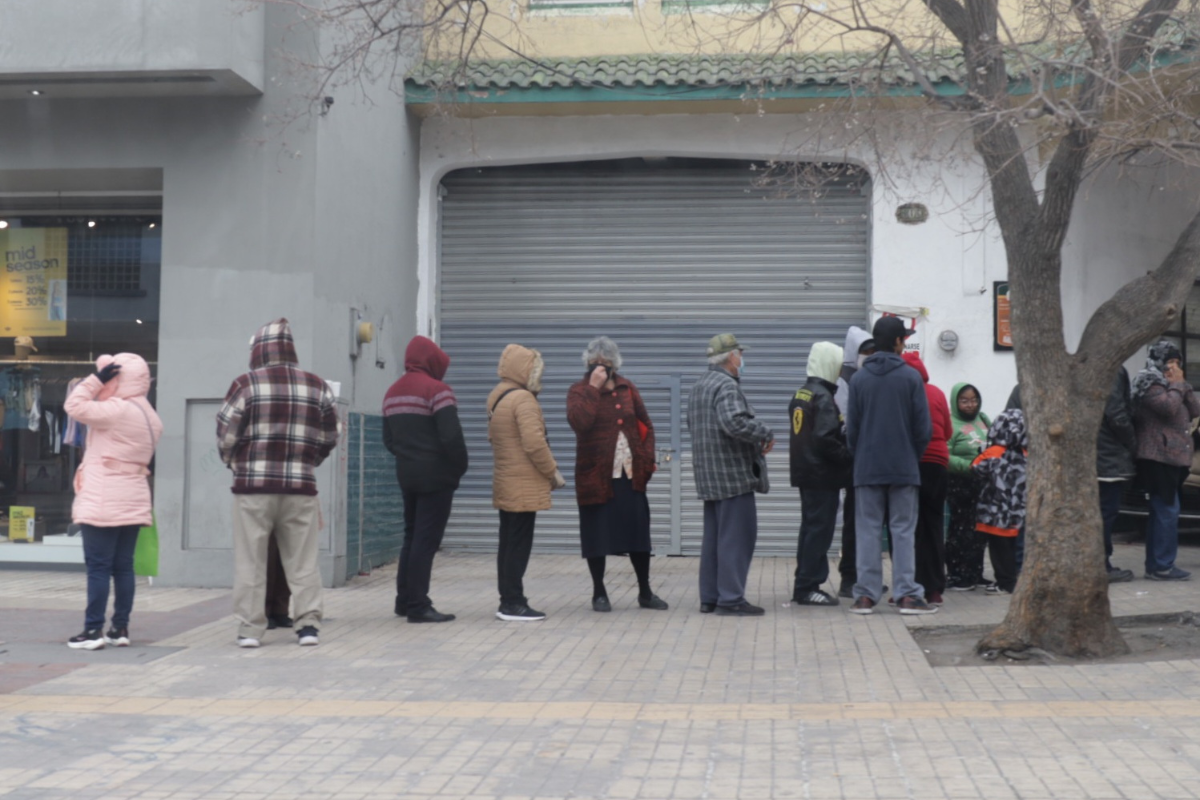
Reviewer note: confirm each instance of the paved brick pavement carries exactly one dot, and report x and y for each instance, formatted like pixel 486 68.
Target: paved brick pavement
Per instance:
pixel 802 703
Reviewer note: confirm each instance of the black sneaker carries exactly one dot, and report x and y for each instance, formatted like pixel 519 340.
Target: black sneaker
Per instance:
pixel 278 621
pixel 1172 574
pixel 88 640
pixel 307 636
pixel 1118 575
pixel 600 604
pixel 846 589
pixel 708 608
pixel 742 609
pixel 815 598
pixel 514 613
pixel 117 637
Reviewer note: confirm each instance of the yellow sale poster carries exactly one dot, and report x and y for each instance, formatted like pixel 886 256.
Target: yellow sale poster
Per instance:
pixel 20 523
pixel 33 283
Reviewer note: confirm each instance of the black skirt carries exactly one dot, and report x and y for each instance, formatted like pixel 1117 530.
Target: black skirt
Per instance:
pixel 620 526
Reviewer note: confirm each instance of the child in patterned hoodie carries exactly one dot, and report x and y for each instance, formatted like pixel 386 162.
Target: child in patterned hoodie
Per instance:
pixel 1000 511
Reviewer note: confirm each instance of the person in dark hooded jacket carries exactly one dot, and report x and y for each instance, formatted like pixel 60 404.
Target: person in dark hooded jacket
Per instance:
pixel 888 428
pixel 278 422
pixel 820 467
pixel 421 429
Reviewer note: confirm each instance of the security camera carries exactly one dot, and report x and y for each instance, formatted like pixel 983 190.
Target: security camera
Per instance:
pixel 328 104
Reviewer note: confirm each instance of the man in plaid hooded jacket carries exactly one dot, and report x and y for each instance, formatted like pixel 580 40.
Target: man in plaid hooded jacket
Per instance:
pixel 277 423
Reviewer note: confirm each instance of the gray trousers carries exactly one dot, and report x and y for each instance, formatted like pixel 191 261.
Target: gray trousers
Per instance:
pixel 897 507
pixel 730 533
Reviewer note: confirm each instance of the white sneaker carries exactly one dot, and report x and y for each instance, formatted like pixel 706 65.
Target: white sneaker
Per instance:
pixel 307 636
pixel 248 641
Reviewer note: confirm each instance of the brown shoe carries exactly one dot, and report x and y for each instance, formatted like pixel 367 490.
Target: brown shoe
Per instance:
pixel 863 605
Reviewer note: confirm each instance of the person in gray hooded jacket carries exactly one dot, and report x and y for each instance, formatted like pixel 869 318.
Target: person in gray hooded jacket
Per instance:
pixel 859 346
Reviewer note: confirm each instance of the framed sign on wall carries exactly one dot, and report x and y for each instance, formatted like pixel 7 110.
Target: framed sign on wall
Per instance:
pixel 1001 316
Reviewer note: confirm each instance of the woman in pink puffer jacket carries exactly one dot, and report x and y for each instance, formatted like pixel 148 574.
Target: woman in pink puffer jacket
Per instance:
pixel 112 493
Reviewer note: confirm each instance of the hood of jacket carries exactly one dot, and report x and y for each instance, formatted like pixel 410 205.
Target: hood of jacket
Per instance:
pixel 854 340
pixel 523 366
pixel 132 381
pixel 423 355
pixel 825 361
pixel 1008 430
pixel 272 345
pixel 958 389
pixel 883 363
pixel 914 361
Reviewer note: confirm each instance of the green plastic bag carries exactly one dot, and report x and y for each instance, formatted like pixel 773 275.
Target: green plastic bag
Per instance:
pixel 145 552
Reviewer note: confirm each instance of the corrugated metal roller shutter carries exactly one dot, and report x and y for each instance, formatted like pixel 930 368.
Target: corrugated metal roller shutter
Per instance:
pixel 660 257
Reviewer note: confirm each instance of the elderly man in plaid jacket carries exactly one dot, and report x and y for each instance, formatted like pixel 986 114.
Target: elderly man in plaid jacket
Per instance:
pixel 729 446
pixel 277 423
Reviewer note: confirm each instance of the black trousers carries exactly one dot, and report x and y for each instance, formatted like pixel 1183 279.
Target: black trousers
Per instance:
pixel 1003 552
pixel 279 596
pixel 516 543
pixel 425 517
pixel 847 567
pixel 964 544
pixel 818 518
pixel 930 542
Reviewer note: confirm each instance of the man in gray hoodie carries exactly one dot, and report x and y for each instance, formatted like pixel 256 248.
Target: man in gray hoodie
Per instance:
pixel 859 346
pixel 888 428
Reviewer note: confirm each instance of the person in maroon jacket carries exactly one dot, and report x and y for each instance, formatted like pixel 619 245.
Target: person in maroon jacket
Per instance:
pixel 930 543
pixel 421 429
pixel 614 459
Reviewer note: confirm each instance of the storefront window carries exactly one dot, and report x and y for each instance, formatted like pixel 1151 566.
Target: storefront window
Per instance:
pixel 1187 334
pixel 102 297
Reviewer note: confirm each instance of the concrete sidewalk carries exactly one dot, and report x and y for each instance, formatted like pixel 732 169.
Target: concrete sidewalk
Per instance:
pixel 804 702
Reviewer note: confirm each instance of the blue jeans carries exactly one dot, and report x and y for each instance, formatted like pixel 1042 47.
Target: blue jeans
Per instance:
pixel 108 553
pixel 1162 532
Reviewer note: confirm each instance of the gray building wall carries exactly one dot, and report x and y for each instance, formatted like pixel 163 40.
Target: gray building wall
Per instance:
pixel 260 220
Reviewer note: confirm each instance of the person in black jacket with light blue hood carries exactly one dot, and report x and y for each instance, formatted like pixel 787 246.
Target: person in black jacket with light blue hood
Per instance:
pixel 888 428
pixel 821 467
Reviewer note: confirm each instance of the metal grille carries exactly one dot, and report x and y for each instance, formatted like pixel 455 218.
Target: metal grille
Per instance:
pixel 105 258
pixel 660 257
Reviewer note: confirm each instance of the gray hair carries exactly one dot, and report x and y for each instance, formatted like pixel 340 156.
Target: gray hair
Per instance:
pixel 602 347
pixel 718 360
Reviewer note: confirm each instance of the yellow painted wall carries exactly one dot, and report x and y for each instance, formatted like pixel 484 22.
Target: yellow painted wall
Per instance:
pixel 663 27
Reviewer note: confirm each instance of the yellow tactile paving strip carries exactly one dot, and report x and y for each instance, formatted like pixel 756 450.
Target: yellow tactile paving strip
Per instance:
pixel 13 705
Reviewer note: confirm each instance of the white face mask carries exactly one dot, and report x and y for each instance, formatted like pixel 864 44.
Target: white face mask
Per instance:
pixel 741 364
pixel 861 358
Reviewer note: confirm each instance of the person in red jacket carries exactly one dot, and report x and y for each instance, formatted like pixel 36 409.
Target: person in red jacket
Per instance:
pixel 930 544
pixel 614 459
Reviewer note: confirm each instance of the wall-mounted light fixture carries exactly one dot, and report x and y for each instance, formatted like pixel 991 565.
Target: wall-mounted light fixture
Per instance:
pixel 948 341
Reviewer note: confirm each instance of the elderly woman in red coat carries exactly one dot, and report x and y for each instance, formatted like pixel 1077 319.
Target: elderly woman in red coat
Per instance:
pixel 614 459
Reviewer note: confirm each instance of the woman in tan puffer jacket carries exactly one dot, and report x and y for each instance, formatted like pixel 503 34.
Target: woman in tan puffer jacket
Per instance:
pixel 523 475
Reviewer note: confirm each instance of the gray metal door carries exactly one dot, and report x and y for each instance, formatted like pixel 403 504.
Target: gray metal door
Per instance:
pixel 659 256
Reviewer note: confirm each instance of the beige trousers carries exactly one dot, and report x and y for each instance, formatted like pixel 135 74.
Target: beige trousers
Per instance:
pixel 294 519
